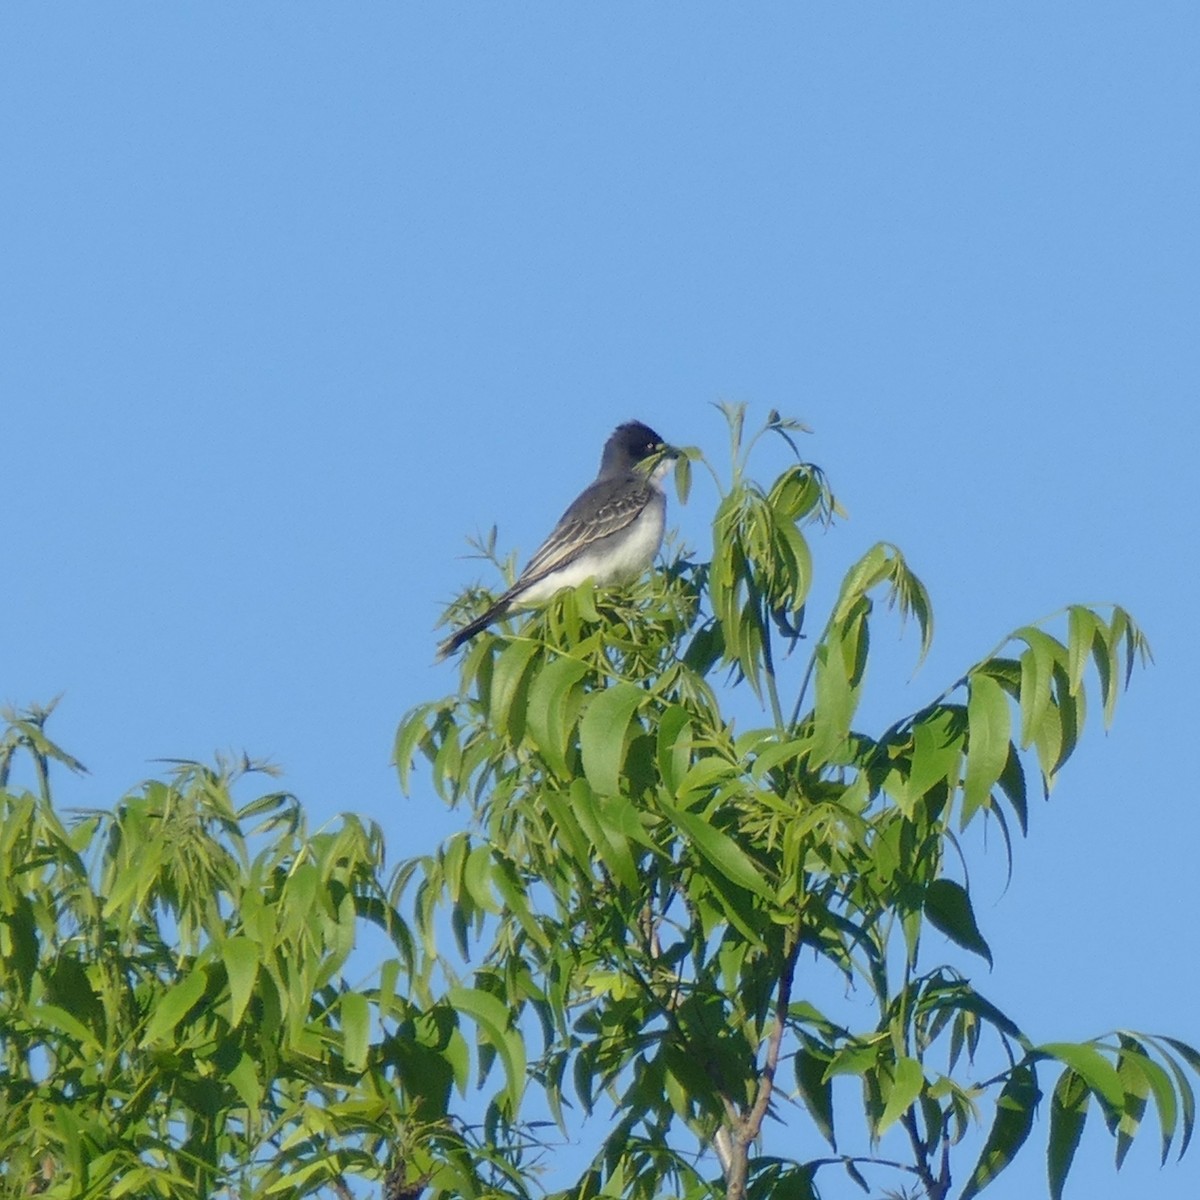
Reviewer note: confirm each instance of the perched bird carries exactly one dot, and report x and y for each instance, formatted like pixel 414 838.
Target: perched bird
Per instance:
pixel 610 534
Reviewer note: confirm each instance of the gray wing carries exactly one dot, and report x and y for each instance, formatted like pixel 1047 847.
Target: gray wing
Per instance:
pixel 604 508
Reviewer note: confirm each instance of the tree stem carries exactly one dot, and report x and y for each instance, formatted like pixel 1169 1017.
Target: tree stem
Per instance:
pixel 746 1128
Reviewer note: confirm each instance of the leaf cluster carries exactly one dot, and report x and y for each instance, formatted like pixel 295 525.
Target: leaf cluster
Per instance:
pixel 659 897
pixel 175 1017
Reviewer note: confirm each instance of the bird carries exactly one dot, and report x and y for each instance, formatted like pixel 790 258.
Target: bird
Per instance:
pixel 609 534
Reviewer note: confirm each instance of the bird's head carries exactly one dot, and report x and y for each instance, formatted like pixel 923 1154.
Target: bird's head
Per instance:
pixel 631 444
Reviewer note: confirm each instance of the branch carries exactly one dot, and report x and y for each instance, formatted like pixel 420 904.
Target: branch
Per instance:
pixel 841 1160
pixel 935 1188
pixel 764 628
pixel 766 1083
pixel 746 1130
pixel 723 1146
pixel 808 672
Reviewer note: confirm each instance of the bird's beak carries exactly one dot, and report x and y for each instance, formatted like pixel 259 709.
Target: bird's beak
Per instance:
pixel 659 465
pixel 658 462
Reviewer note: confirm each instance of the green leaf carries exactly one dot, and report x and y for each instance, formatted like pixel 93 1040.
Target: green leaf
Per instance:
pixel 674 746
pixel 507 677
pixel 410 731
pixel 1037 670
pixel 962 997
pixel 515 894
pixel 602 734
pixel 704 775
pixel 241 957
pixel 1082 625
pixel 720 850
pixel 549 716
pixel 1052 740
pixel 816 1090
pixel 1068 1115
pixel 611 847
pixel 356 1030
pixel 492 1018
pixel 1015 1109
pixel 572 840
pixel 948 908
pixel 133 1180
pixel 870 570
pixel 990 730
pixel 1136 1087
pixel 937 753
pixel 839 660
pixel 477 878
pixel 1160 1085
pixel 907 1082
pixel 1087 1062
pixel 683 477
pixel 1012 782
pixel 1035 694
pixel 174 1005
pixel 292 1179
pixel 1187 1097
pixel 52 1017
pixel 244 1080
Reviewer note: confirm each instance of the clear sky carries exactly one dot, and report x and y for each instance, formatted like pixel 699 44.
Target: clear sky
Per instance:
pixel 293 297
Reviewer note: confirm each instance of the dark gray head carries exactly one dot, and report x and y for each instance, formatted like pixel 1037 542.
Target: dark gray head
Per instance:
pixel 630 443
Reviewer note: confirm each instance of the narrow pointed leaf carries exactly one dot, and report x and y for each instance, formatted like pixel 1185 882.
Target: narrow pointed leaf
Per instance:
pixel 1012 783
pixel 611 847
pixel 721 851
pixel 412 728
pixel 673 746
pixel 1161 1086
pixel 548 712
pixel 508 675
pixel 1096 1071
pixel 1068 1115
pixel 241 957
pixel 683 477
pixel 1082 624
pixel 172 1008
pixel 602 734
pixel 990 729
pixel 1136 1087
pixel 816 1091
pixel 948 907
pixel 492 1019
pixel 1015 1109
pixel 906 1087
pixel 54 1017
pixel 356 1030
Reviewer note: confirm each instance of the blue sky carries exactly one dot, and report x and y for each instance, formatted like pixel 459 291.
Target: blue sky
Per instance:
pixel 294 297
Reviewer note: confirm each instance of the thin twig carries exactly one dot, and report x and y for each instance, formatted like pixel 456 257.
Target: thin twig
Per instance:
pixel 769 665
pixel 754 1119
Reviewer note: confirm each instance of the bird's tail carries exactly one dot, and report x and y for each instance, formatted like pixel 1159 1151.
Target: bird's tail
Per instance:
pixel 469 630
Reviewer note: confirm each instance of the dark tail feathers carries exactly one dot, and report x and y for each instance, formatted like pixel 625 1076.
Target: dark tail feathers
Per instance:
pixel 468 631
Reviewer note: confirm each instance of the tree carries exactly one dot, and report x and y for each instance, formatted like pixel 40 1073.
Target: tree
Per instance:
pixel 199 997
pixel 174 1016
pixel 665 894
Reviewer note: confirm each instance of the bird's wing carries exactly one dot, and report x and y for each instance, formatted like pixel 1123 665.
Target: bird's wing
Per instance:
pixel 604 508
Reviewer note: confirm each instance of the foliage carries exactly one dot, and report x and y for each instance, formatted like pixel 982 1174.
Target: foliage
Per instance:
pixel 657 898
pixel 644 914
pixel 174 1021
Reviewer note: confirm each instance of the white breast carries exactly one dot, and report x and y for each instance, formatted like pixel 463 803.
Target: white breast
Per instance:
pixel 614 560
